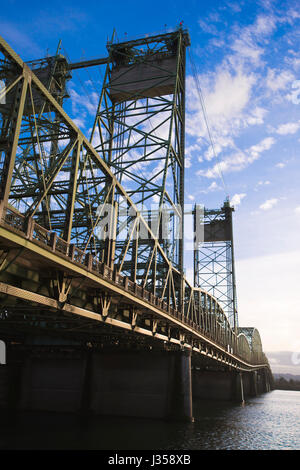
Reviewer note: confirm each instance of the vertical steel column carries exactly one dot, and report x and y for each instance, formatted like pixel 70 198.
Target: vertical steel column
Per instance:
pixel 13 138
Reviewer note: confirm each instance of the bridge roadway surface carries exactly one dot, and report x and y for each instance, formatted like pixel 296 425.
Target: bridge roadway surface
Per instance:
pixel 36 250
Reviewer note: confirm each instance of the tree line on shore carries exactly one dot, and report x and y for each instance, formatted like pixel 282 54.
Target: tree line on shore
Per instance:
pixel 281 383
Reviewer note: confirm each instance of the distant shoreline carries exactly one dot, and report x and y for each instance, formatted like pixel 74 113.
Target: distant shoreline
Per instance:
pixel 286 382
pixel 276 387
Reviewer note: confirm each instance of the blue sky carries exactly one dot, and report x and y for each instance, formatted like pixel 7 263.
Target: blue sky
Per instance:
pixel 248 64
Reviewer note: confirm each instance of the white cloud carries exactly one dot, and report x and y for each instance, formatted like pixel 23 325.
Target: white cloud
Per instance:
pixel 208 27
pixel 278 80
pixel 190 149
pixel 247 49
pixel 223 142
pixel 280 165
pixel 214 186
pixel 293 14
pixel 238 160
pixel 255 150
pixel 293 97
pixel 268 204
pixel 219 168
pixel 79 122
pixel 297 210
pixel 256 116
pixel 248 40
pixel 226 94
pixel 288 128
pixel 264 25
pixel 230 95
pixel 230 102
pixel 295 63
pixel 237 199
pixel 187 162
pixel 261 184
pixel 87 102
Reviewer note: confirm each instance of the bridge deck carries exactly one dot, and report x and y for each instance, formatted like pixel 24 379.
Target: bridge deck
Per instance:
pixel 87 272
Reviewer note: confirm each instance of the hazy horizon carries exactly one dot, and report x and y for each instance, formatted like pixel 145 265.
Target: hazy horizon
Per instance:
pixel 285 362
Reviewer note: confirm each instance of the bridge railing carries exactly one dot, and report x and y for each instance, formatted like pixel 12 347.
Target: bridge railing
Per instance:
pixel 14 219
pixel 201 310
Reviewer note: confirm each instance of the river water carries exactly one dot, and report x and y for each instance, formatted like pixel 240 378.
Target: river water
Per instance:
pixel 268 422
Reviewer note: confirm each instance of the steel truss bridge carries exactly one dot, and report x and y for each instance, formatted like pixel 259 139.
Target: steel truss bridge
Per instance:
pixel 69 265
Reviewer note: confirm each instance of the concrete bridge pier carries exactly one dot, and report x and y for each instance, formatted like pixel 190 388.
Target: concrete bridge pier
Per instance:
pixel 9 386
pixel 86 385
pixel 143 384
pixel 53 383
pixel 263 381
pixel 224 385
pixel 266 381
pixel 3 386
pixel 181 400
pixel 118 381
pixel 249 381
pixel 135 383
pixel 253 383
pixel 250 384
pixel 219 385
pixel 239 394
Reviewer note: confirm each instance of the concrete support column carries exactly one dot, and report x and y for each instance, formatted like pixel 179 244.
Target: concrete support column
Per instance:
pixel 118 383
pixel 53 383
pixel 132 383
pixel 3 387
pixel 238 387
pixel 85 409
pixel 266 382
pixel 242 387
pixel 213 385
pixel 181 401
pixel 253 383
pixel 25 398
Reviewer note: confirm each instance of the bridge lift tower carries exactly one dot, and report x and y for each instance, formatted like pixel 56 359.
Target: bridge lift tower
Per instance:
pixel 214 269
pixel 139 132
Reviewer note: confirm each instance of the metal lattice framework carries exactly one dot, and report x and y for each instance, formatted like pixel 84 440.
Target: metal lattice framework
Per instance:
pixel 52 174
pixel 214 259
pixel 139 131
pixel 55 190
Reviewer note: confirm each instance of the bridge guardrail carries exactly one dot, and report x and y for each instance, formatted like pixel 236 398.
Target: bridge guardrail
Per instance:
pixel 38 234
